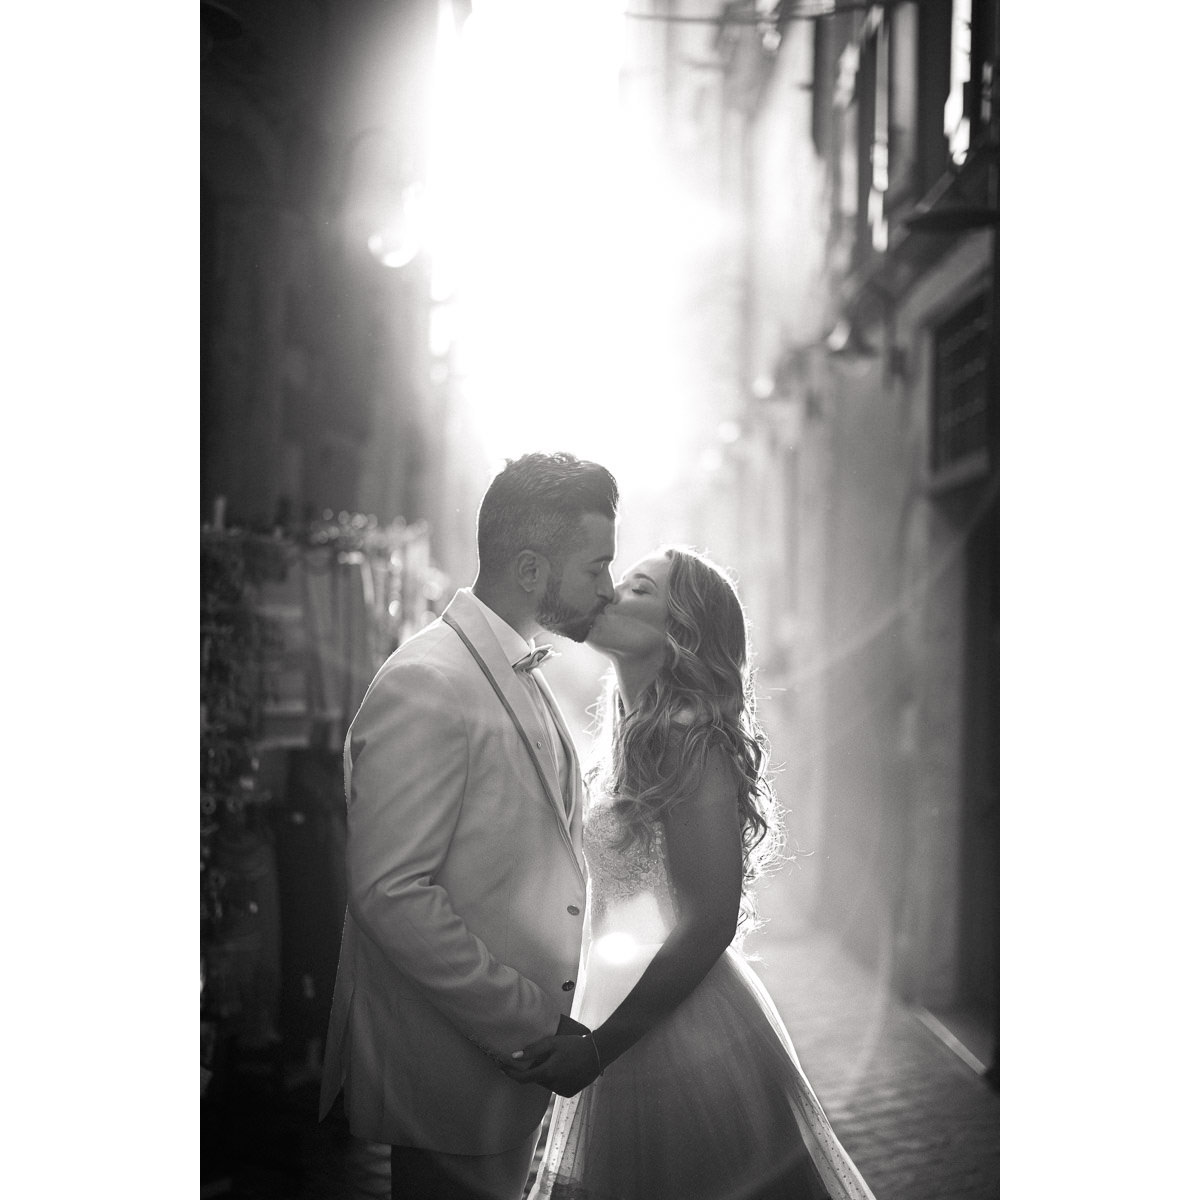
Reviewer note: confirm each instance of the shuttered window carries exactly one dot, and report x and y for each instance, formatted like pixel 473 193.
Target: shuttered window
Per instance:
pixel 960 384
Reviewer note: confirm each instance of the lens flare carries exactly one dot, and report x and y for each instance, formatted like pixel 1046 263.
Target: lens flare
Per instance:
pixel 616 949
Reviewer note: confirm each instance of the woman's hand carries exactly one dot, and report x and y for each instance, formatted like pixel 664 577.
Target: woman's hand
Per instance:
pixel 564 1064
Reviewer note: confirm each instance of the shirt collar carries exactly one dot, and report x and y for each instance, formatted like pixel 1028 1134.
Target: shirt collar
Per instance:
pixel 511 642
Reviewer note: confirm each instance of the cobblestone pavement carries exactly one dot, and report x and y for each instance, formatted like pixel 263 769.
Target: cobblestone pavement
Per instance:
pixel 917 1121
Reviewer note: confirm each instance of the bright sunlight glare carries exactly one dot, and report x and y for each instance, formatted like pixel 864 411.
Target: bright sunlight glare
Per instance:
pixel 616 948
pixel 558 238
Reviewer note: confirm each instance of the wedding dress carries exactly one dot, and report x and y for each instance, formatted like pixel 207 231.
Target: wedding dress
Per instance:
pixel 710 1103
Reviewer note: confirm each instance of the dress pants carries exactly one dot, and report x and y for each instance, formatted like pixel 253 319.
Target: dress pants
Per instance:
pixel 429 1175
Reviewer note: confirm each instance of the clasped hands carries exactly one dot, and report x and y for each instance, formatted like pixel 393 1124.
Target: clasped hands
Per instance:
pixel 565 1063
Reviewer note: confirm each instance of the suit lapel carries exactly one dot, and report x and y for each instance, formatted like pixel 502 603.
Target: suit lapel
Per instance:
pixel 465 619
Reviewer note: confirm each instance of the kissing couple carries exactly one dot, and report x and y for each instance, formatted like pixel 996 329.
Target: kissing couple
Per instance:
pixel 518 932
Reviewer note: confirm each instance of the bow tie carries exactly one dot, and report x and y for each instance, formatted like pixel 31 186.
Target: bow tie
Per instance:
pixel 534 658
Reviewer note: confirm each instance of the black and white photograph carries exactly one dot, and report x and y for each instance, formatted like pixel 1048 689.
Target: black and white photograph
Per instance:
pixel 662 334
pixel 613 782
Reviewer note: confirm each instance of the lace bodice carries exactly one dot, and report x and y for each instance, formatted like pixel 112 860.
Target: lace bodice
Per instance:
pixel 625 883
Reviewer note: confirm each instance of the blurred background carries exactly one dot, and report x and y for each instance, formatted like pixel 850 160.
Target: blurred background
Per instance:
pixel 747 256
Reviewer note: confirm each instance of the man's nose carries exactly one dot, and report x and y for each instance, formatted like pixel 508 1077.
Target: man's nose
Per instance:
pixel 606 588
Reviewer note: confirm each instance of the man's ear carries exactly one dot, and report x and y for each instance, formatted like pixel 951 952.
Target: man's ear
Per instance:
pixel 531 569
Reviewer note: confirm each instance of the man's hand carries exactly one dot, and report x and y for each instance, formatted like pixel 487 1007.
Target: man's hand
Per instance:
pixel 565 1064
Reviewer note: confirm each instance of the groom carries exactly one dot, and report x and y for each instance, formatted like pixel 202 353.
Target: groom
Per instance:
pixel 465 876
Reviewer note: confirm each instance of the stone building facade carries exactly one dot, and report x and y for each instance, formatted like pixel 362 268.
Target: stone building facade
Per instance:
pixel 853 476
pixel 316 390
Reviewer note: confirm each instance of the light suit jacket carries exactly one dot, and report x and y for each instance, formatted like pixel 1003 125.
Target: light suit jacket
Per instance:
pixel 465 896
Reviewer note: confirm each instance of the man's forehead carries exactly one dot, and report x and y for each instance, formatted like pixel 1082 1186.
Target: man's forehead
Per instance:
pixel 599 540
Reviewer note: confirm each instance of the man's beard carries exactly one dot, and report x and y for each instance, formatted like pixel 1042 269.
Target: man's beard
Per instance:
pixel 558 617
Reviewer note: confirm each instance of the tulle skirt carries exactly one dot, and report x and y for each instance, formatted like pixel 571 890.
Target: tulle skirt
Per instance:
pixel 711 1104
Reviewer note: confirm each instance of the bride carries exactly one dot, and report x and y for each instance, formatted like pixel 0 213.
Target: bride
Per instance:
pixel 687 1086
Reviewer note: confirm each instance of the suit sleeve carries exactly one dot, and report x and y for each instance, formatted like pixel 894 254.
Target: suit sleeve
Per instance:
pixel 409 766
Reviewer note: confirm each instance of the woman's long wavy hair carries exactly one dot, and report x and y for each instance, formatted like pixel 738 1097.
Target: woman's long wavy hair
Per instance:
pixel 702 702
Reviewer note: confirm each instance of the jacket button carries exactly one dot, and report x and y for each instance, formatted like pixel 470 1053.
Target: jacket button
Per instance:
pixel 573 909
pixel 569 986
pixel 539 745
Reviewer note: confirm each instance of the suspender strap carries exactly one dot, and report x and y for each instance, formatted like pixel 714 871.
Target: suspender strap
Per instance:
pixel 466 641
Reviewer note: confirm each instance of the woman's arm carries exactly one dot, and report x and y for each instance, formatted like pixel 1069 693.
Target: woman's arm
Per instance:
pixel 704 848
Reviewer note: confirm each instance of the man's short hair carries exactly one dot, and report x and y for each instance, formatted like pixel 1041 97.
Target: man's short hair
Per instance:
pixel 536 503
